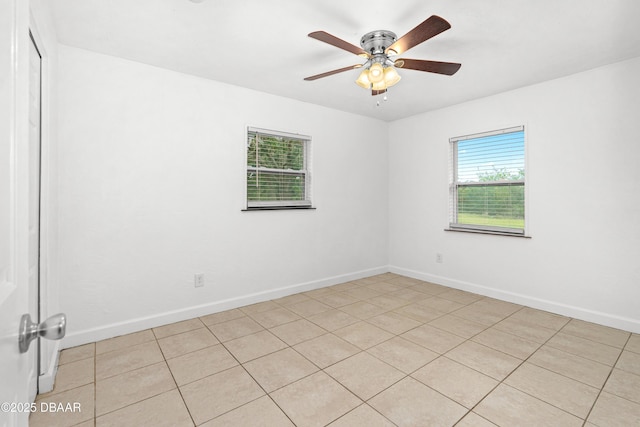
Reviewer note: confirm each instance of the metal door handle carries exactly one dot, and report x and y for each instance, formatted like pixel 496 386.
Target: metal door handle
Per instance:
pixel 53 328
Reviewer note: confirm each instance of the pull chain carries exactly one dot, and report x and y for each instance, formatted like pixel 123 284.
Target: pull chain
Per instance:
pixel 384 99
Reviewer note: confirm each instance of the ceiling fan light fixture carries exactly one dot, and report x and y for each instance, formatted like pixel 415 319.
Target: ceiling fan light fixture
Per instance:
pixel 363 79
pixel 376 73
pixel 391 76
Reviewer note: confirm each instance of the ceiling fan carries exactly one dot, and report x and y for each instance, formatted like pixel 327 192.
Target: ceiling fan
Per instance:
pixel 379 46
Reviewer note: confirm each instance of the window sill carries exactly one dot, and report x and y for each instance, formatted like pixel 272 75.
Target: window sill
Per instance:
pixel 495 233
pixel 279 208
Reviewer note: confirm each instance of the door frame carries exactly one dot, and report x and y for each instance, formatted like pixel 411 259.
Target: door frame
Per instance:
pixel 49 350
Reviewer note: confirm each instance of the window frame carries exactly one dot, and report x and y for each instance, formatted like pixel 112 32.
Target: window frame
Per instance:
pixel 455 185
pixel 306 203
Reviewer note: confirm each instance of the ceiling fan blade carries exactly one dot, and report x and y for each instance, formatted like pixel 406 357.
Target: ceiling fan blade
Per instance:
pixel 334 41
pixel 377 92
pixel 448 68
pixel 330 73
pixel 432 26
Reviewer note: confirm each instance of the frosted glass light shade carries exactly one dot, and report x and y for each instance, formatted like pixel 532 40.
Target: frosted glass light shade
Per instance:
pixel 379 85
pixel 376 73
pixel 363 80
pixel 391 76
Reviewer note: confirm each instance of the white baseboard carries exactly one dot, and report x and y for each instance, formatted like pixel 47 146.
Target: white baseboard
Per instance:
pixel 142 323
pixel 606 319
pixel 47 379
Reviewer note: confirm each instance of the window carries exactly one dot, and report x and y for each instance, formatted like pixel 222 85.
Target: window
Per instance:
pixel 487 182
pixel 277 170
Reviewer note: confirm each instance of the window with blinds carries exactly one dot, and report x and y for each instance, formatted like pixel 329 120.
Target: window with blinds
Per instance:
pixel 277 170
pixel 487 182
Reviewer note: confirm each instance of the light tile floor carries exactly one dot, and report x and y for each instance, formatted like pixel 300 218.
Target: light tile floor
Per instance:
pixel 382 351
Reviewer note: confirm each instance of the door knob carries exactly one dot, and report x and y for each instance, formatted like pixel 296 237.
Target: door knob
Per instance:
pixel 53 328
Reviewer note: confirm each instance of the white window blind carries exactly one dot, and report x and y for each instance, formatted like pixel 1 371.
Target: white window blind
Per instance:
pixel 277 169
pixel 487 181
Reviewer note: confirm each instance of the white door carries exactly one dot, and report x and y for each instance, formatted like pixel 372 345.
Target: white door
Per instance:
pixel 18 372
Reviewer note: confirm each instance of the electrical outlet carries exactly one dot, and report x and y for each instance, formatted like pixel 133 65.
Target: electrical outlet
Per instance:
pixel 198 280
pixel 439 258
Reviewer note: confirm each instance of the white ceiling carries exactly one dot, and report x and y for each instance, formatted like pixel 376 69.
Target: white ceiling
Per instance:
pixel 263 44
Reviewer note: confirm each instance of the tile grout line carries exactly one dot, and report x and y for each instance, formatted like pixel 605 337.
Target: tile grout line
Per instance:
pixel 364 402
pixel 394 335
pixel 164 360
pixel 184 402
pixel 470 410
pixel 324 369
pixel 439 354
pixel 520 364
pixel 258 383
pixel 302 355
pixel 604 384
pixel 138 401
pixel 600 389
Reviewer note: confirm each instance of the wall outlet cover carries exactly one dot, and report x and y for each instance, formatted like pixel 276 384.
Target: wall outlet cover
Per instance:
pixel 198 280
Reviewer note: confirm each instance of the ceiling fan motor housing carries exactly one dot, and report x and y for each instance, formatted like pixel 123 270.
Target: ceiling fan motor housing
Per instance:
pixel 377 42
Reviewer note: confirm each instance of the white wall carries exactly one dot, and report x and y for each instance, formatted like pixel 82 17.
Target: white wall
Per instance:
pixel 583 208
pixel 151 182
pixel 151 176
